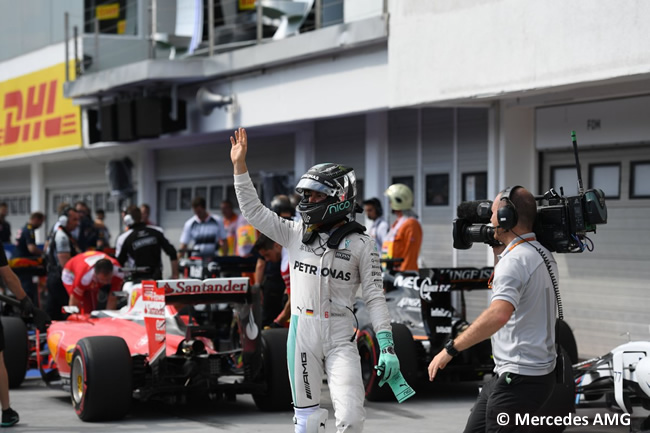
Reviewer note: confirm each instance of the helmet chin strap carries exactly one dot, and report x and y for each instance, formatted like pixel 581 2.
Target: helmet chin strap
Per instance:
pixel 312 230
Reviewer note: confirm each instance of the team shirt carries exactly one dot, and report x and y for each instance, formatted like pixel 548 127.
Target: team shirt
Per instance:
pixel 79 279
pixel 204 235
pixel 526 343
pixel 25 238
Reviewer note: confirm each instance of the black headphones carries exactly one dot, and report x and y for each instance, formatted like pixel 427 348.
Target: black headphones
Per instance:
pixel 376 204
pixel 507 216
pixel 63 217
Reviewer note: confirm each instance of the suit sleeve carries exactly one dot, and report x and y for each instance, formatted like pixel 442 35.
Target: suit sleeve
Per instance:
pixel 167 247
pixel 259 216
pixel 372 288
pixel 122 255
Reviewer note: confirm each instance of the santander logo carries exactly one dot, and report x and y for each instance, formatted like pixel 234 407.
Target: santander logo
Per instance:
pixel 202 287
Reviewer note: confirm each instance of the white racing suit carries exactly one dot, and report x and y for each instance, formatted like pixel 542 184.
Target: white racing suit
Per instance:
pixel 324 283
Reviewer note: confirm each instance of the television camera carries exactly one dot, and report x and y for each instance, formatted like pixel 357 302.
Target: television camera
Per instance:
pixel 561 225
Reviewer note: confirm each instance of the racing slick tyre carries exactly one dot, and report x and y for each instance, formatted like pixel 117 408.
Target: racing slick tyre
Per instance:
pixel 562 401
pixel 101 378
pixel 406 351
pixel 278 389
pixel 564 337
pixel 16 352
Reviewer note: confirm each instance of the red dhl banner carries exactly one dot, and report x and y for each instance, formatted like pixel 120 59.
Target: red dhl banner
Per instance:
pixel 34 115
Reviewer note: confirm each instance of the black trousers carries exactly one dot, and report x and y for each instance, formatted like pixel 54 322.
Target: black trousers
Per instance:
pixel 57 296
pixel 511 394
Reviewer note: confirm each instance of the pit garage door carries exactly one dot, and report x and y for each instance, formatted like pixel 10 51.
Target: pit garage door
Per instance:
pixel 606 292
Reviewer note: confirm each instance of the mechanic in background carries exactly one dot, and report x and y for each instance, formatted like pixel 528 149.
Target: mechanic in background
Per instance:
pixel 89 279
pixel 523 344
pixel 276 310
pixel 374 212
pixel 61 247
pixel 330 258
pixel 26 247
pixel 10 416
pixel 142 245
pixel 5 227
pixel 405 235
pixel 204 232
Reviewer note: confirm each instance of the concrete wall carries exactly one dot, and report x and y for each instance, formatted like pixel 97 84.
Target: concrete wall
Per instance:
pixel 472 49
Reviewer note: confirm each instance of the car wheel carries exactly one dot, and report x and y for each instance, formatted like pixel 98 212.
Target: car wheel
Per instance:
pixel 278 389
pixel 565 338
pixel 101 378
pixel 406 351
pixel 562 401
pixel 16 353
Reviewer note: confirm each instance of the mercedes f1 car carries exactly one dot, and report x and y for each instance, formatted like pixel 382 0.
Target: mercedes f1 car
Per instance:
pixel 621 377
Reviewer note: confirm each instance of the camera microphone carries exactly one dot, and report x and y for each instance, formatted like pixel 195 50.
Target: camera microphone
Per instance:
pixel 477 211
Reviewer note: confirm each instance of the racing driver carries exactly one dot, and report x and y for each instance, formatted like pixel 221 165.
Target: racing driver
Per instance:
pixel 89 277
pixel 329 258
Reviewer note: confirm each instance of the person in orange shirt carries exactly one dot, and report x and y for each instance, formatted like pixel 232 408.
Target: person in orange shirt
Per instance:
pixel 404 238
pixel 85 275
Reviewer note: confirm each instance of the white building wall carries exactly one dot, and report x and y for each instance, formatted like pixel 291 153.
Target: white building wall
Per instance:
pixel 451 50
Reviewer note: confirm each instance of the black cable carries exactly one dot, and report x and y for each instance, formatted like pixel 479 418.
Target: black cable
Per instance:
pixel 357 320
pixel 556 288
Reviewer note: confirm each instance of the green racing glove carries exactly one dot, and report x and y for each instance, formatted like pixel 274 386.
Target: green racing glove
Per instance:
pixel 388 365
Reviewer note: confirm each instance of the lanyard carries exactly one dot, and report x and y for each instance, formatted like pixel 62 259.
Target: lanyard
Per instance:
pixel 489 284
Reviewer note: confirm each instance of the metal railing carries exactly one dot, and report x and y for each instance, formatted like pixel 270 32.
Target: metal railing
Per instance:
pixel 227 26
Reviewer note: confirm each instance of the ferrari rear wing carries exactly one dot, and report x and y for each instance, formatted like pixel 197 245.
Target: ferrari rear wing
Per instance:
pixel 212 290
pixel 157 294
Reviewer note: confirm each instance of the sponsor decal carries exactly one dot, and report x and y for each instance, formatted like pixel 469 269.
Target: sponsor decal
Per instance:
pixel 342 256
pixel 209 286
pixel 339 207
pixel 252 330
pixel 323 272
pixel 440 312
pixel 443 329
pixel 347 244
pixel 409 303
pixel 34 115
pixel 305 374
pixel 154 318
pixel 304 247
pixel 108 11
pixel 311 176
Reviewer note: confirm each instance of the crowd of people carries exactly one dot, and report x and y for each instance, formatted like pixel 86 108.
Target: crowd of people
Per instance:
pixel 313 259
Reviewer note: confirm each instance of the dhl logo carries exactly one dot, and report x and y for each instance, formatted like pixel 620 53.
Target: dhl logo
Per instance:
pixel 34 116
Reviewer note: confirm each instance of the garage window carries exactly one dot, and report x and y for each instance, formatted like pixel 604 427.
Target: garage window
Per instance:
pixel 216 196
pixel 606 177
pixel 564 177
pixel 171 199
pixel 640 179
pixel 474 186
pixel 186 198
pixel 201 191
pixel 437 189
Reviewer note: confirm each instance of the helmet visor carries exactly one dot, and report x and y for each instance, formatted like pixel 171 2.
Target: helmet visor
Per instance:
pixel 314 185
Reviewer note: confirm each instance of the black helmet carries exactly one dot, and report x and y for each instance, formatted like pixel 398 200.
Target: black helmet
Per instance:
pixel 281 204
pixel 340 185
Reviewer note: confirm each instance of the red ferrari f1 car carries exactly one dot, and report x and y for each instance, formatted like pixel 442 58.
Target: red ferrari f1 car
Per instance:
pixel 166 344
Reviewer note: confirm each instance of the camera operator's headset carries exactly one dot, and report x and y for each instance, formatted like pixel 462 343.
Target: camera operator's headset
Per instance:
pixel 63 217
pixel 507 216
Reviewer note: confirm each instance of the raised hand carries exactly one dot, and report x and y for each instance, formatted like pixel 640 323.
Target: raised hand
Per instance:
pixel 238 151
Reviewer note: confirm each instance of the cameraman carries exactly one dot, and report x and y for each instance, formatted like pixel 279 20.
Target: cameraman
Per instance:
pixel 520 320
